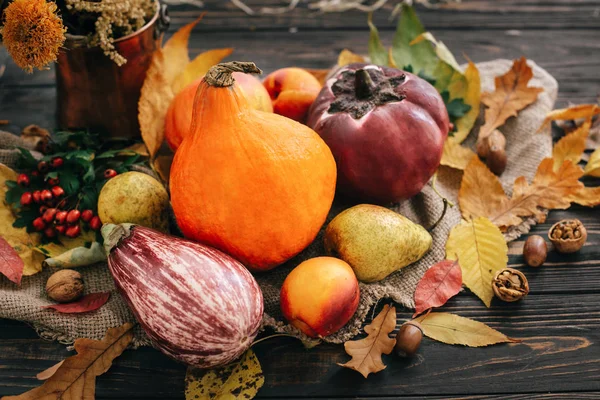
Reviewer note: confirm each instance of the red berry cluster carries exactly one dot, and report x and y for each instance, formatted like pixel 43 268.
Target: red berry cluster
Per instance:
pixel 54 218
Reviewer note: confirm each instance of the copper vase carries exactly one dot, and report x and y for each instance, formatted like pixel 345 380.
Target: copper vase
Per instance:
pixel 97 95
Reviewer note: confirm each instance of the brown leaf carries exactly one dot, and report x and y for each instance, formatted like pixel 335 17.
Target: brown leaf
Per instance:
pixel 87 303
pixel 442 281
pixel 162 165
pixel 11 265
pixel 481 194
pixel 511 95
pixel 47 373
pixel 320 74
pixel 347 57
pixel 366 353
pixel 454 329
pixel 76 377
pixel 587 197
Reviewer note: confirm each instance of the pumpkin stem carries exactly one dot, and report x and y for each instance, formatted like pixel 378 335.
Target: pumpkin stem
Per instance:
pixel 220 74
pixel 363 84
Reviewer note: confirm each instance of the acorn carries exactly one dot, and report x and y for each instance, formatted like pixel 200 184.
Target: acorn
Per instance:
pixel 408 339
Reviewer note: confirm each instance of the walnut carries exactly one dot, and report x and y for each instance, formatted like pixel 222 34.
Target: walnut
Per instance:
pixel 510 285
pixel 568 236
pixel 65 286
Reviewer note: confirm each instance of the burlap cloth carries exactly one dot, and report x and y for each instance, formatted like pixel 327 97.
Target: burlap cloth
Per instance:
pixel 525 150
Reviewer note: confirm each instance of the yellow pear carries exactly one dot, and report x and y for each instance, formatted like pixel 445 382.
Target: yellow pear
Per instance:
pixel 375 241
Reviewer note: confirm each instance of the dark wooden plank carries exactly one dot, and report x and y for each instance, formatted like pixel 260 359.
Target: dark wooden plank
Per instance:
pixel 469 14
pixel 558 331
pixel 571 56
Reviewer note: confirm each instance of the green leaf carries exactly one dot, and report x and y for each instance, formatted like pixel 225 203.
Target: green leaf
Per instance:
pixel 89 175
pixel 457 108
pixel 377 52
pixel 11 184
pixel 26 159
pixel 421 56
pixel 86 155
pixel 13 195
pixel 69 182
pixel 241 380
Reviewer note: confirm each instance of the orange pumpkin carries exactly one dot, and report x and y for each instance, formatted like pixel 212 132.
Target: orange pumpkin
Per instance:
pixel 179 114
pixel 253 184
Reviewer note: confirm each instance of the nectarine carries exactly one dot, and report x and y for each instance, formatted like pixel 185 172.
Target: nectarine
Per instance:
pixel 179 114
pixel 292 91
pixel 320 296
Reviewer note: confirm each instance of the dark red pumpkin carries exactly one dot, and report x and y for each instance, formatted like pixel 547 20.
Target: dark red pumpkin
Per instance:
pixel 386 129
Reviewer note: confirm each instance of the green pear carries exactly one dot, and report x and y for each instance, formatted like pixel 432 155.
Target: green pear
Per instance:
pixel 375 241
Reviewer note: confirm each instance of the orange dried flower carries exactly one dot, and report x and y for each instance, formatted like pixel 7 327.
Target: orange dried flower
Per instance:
pixel 33 33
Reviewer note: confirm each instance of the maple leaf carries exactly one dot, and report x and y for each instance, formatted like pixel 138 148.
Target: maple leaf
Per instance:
pixel 75 378
pixel 511 95
pixel 482 251
pixel 481 194
pixel 454 329
pixel 438 284
pixel 366 353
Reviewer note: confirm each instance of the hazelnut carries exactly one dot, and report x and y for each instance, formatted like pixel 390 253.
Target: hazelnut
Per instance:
pixel 496 161
pixel 568 236
pixel 494 140
pixel 408 339
pixel 535 251
pixel 65 286
pixel 510 285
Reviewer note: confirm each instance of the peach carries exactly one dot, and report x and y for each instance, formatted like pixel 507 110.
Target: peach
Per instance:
pixel 179 114
pixel 320 296
pixel 292 91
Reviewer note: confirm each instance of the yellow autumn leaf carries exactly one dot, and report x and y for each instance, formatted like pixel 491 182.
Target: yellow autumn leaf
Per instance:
pixel 471 96
pixel 571 146
pixel 24 243
pixel 592 167
pixel 55 249
pixel 163 78
pixel 320 74
pixel 586 196
pixel 456 156
pixel 440 48
pixel 575 112
pixel 454 329
pixel 199 67
pixel 347 57
pixel 482 251
pixel 391 61
pixel 241 380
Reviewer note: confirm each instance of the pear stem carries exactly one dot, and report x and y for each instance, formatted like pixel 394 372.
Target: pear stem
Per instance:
pixel 432 227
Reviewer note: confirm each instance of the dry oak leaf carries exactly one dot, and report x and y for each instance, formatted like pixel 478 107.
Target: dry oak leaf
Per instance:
pixel 482 251
pixel 169 71
pixel 347 57
pixel 576 112
pixel 456 156
pixel 240 380
pixel 439 283
pixel 511 95
pixel 47 373
pixel 76 377
pixel 586 196
pixel 22 242
pixel 571 146
pixel 592 168
pixel 481 194
pixel 366 353
pixel 11 265
pixel 454 329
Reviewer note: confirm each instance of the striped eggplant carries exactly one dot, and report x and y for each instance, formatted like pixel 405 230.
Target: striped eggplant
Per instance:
pixel 197 304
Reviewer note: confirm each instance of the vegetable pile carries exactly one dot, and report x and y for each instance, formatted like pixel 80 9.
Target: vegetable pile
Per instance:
pixel 252 170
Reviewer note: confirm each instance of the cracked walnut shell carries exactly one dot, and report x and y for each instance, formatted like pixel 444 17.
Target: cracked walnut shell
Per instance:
pixel 568 235
pixel 510 285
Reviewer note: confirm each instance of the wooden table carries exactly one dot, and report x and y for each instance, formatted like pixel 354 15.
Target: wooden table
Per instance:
pixel 560 320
